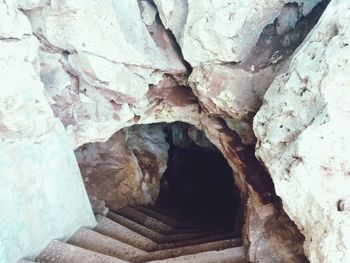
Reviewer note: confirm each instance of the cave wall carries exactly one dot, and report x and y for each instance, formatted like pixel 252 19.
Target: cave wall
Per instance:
pixel 303 124
pixel 126 169
pixel 42 196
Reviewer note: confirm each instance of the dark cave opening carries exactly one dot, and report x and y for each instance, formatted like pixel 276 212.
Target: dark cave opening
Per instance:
pixel 198 181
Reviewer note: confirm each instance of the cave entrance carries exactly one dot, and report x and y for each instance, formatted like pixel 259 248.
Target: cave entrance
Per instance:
pixel 164 189
pixel 173 166
pixel 198 181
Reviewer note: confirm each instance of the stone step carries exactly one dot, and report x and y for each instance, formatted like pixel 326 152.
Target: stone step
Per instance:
pixel 153 223
pixel 171 221
pixel 117 231
pixel 229 255
pixel 169 213
pixel 59 252
pixel 176 252
pixel 94 241
pixel 155 236
pixel 145 220
pixel 237 241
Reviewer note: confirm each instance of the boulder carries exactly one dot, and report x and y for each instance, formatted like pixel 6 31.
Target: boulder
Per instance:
pixel 127 168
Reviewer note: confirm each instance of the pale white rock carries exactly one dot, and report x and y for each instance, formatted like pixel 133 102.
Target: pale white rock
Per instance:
pixel 95 100
pixel 122 74
pixel 52 74
pixel 227 30
pixel 231 90
pixel 119 34
pixel 42 195
pixel 13 23
pixel 303 139
pixel 148 12
pixel 114 77
pixel 232 93
pixel 287 19
pixel 30 4
pixel 173 14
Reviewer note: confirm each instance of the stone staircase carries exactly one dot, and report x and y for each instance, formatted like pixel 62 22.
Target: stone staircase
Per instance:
pixel 146 234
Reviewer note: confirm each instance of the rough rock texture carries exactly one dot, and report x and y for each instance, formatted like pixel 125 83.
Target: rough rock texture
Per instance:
pixel 262 214
pixel 272 235
pixel 303 140
pixel 128 70
pixel 232 93
pixel 42 196
pixel 223 31
pixel 127 168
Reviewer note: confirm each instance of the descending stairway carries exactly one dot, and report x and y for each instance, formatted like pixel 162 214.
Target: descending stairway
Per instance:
pixel 146 234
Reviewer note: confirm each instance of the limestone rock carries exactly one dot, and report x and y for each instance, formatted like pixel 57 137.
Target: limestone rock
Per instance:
pixel 30 4
pixel 267 231
pixel 148 144
pixel 38 171
pixel 303 141
pixel 13 23
pixel 127 168
pixel 173 14
pixel 148 12
pixel 96 86
pixel 232 93
pixel 273 236
pixel 227 30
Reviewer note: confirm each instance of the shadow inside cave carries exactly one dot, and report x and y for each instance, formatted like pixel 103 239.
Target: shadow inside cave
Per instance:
pixel 198 181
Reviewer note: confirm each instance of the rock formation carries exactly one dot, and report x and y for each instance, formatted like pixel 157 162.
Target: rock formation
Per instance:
pixel 127 168
pixel 38 171
pixel 104 66
pixel 107 66
pixel 302 138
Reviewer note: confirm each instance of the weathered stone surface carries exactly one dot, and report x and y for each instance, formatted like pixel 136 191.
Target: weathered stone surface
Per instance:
pixel 273 236
pixel 127 168
pixel 147 142
pixel 173 14
pixel 30 4
pixel 232 93
pixel 303 141
pixel 13 23
pixel 42 196
pixel 261 214
pixel 227 30
pixel 103 83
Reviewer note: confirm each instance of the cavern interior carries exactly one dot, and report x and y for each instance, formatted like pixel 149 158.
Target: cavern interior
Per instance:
pixel 174 131
pixel 198 181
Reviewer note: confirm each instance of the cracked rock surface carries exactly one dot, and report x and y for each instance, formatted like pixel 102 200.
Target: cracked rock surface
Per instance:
pixel 302 125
